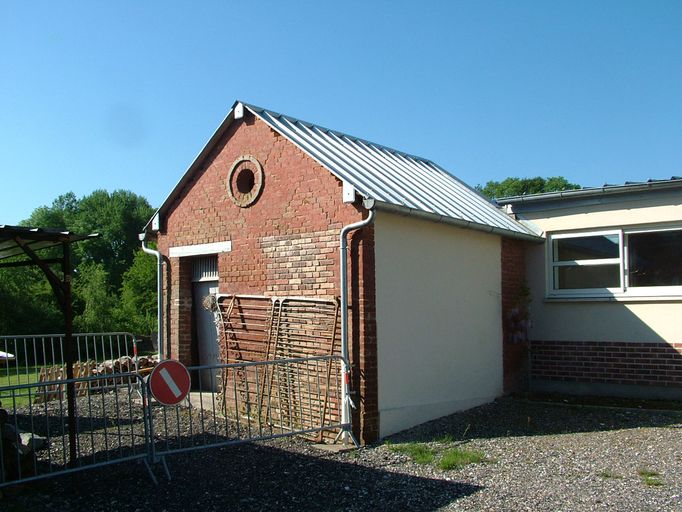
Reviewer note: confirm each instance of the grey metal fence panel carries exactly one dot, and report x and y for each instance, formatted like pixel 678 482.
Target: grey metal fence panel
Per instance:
pixel 28 358
pixel 111 426
pixel 255 401
pixel 117 421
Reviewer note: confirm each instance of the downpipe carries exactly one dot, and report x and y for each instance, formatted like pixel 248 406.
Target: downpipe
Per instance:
pixel 345 363
pixel 159 292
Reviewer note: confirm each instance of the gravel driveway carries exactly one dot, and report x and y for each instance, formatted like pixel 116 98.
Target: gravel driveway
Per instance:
pixel 535 457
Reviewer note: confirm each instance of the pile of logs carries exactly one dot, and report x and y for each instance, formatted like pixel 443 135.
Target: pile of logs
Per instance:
pixel 124 364
pixel 108 368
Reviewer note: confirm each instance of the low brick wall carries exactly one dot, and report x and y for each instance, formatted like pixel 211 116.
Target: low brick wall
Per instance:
pixel 640 364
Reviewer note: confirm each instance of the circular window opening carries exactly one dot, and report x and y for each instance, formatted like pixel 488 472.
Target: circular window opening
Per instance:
pixel 245 181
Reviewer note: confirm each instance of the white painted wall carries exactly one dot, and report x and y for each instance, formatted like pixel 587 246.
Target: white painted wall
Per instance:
pixel 639 320
pixel 439 328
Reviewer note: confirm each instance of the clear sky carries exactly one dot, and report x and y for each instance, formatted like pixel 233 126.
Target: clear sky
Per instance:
pixel 124 94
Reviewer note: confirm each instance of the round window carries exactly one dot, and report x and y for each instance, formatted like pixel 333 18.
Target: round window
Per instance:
pixel 245 181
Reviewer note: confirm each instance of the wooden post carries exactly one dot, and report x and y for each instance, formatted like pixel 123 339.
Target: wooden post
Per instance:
pixel 69 354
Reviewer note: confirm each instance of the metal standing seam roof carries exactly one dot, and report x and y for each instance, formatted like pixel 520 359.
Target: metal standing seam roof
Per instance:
pixel 395 180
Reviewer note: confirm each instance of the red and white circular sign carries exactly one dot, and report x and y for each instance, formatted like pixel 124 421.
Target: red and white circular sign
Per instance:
pixel 169 382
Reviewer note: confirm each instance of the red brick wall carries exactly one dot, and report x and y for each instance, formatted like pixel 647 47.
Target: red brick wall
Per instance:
pixel 648 364
pixel 515 355
pixel 363 337
pixel 286 243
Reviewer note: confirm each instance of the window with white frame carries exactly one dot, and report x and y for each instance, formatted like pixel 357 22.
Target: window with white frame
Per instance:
pixel 616 263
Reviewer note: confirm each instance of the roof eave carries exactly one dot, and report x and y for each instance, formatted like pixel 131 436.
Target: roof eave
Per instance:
pixel 589 192
pixel 434 217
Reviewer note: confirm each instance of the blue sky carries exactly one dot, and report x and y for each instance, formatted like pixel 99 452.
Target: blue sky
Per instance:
pixel 125 94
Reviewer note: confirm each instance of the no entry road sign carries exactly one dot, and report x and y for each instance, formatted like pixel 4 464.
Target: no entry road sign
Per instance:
pixel 169 382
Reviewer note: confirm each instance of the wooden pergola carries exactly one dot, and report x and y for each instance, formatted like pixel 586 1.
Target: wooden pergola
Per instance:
pixel 19 247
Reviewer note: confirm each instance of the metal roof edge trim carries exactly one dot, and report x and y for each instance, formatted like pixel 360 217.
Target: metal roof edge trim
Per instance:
pixel 434 217
pixel 586 192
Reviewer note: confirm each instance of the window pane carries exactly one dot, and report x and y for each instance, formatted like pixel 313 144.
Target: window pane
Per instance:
pixel 655 258
pixel 586 248
pixel 584 276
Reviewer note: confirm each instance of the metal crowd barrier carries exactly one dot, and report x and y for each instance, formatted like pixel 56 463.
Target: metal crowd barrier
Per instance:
pixel 40 357
pixel 253 401
pixel 115 419
pixel 38 441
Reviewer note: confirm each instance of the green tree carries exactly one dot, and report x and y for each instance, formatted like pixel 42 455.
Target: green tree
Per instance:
pixel 60 215
pixel 118 217
pixel 521 186
pixel 96 302
pixel 136 310
pixel 27 304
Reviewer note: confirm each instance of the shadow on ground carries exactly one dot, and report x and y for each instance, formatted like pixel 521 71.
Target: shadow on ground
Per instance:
pixel 513 417
pixel 243 477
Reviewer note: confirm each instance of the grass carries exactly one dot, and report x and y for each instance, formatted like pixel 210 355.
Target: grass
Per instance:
pixel 455 458
pixel 27 375
pixel 651 478
pixel 445 459
pixel 446 439
pixel 418 452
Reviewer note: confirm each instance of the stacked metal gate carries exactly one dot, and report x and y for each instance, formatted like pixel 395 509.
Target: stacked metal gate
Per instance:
pixel 297 396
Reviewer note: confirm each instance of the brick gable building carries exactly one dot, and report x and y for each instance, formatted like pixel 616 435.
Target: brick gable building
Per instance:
pixel 266 201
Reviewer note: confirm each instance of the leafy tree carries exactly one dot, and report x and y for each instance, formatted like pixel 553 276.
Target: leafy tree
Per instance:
pixel 118 217
pixel 92 291
pixel 27 304
pixel 521 186
pixel 137 308
pixel 59 216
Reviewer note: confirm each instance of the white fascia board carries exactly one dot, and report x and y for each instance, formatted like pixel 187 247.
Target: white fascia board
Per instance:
pixel 200 249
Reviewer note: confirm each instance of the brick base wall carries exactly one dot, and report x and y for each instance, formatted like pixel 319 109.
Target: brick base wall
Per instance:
pixel 641 364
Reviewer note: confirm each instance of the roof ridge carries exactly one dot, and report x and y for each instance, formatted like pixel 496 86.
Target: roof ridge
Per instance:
pixel 295 120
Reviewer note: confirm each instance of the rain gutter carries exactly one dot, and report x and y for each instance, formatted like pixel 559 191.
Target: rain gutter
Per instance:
pixel 435 217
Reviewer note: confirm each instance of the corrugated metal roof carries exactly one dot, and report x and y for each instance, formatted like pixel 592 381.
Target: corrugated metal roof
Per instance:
pixel 405 183
pixel 12 238
pixel 388 175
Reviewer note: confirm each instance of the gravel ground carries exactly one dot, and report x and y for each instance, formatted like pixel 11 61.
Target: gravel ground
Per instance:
pixel 537 457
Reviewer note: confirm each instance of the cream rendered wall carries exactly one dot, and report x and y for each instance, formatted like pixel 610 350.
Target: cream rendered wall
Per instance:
pixel 627 320
pixel 603 215
pixel 438 312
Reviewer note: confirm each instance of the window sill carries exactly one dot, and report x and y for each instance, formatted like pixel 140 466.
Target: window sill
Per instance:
pixel 616 298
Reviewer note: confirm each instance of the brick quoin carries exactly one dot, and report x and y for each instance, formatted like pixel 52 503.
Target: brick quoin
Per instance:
pixel 286 243
pixel 643 364
pixel 513 284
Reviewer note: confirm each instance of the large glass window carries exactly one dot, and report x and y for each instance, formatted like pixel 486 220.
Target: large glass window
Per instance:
pixel 655 258
pixel 586 262
pixel 616 263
